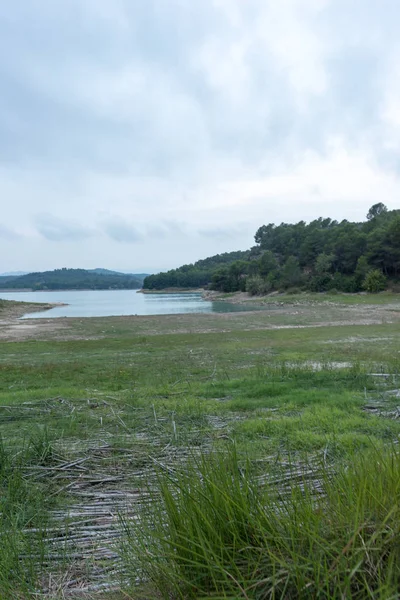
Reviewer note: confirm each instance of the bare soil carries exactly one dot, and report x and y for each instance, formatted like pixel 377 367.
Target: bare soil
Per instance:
pixel 12 328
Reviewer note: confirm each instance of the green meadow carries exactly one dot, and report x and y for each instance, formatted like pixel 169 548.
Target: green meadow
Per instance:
pixel 249 455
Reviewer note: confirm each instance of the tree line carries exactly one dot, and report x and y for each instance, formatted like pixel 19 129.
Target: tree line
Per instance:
pixel 195 275
pixel 77 279
pixel 322 255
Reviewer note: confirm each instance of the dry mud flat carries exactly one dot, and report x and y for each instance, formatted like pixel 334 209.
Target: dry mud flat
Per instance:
pixel 16 330
pixel 13 328
pixel 276 316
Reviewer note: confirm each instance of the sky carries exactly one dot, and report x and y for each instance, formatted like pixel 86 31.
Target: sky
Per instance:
pixel 143 134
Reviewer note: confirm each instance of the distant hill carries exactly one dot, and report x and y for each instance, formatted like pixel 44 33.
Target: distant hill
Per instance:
pixel 194 275
pixel 105 272
pixel 76 279
pixel 99 271
pixel 140 276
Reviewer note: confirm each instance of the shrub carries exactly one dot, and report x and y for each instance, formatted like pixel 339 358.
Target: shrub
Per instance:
pixel 253 285
pixel 344 283
pixel 375 281
pixel 257 286
pixel 319 283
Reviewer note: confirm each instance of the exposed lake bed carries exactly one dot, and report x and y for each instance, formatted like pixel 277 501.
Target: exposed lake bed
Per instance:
pixel 49 320
pixel 111 398
pixel 108 401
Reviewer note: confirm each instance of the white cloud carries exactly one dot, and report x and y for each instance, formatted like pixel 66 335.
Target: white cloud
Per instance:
pixel 287 31
pixel 180 128
pixel 390 107
pixel 55 229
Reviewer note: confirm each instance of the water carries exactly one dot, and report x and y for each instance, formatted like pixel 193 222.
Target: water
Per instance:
pixel 107 303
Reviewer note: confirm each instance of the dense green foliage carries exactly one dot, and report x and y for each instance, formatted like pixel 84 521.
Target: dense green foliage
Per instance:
pixel 319 256
pixel 194 275
pixel 78 279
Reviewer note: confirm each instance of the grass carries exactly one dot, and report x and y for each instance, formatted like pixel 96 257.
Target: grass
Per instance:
pixel 217 534
pixel 114 419
pixel 24 507
pixel 380 298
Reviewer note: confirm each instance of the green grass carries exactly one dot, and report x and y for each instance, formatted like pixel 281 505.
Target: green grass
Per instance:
pixel 25 502
pixel 336 298
pixel 128 395
pixel 215 533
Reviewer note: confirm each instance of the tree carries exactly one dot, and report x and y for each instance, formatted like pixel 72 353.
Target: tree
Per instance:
pixel 267 263
pixel 361 271
pixel 263 235
pixel 221 280
pixel 391 243
pixel 376 210
pixel 237 274
pixel 350 242
pixel 324 263
pixel 291 272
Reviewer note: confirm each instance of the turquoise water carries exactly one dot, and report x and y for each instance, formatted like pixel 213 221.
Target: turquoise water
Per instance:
pixel 106 303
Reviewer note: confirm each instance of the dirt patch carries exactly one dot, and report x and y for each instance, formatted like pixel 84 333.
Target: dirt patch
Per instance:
pixel 234 298
pixel 13 329
pixel 10 309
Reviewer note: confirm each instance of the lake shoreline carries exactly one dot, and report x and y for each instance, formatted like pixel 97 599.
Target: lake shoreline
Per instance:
pixel 32 291
pixel 241 298
pixel 171 291
pixel 15 309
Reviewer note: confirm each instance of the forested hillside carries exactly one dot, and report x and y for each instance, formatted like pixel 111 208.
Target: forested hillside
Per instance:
pixel 319 256
pixel 194 275
pixel 77 279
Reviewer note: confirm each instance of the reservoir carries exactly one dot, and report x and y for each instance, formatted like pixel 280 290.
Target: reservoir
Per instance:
pixel 107 303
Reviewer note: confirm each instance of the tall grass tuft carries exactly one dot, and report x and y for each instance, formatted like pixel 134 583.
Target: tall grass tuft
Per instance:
pixel 23 518
pixel 212 532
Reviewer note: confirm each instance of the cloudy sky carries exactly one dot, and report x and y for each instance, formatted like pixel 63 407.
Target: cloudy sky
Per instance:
pixel 143 134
